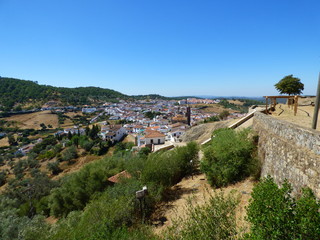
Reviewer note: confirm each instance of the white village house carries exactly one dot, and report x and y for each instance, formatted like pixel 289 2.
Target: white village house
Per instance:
pixel 154 137
pixel 114 133
pixel 175 134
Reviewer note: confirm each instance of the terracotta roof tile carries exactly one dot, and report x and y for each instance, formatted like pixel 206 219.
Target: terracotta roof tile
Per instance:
pixel 116 178
pixel 154 134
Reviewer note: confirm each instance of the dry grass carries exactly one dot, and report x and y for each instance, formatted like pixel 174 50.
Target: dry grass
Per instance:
pixel 303 118
pixel 4 142
pixel 212 108
pixel 236 102
pixel 33 120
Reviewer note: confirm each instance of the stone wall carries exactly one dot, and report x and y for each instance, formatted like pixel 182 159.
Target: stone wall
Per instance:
pixel 288 151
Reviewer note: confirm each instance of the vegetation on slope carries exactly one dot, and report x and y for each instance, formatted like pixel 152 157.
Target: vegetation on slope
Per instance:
pixel 89 207
pixel 15 91
pixel 229 157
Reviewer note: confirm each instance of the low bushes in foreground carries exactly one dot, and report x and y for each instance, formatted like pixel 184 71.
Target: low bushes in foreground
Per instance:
pixel 274 214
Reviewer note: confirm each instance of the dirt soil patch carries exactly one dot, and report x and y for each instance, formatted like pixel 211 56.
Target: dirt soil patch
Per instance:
pixel 129 138
pixel 33 120
pixel 4 142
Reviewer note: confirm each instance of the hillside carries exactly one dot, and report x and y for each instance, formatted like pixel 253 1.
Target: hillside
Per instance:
pixel 23 93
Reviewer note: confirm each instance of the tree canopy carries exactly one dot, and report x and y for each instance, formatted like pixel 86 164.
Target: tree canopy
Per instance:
pixel 15 91
pixel 289 85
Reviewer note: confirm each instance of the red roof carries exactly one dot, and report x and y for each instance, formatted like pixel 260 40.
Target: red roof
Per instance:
pixel 154 134
pixel 116 178
pixel 149 129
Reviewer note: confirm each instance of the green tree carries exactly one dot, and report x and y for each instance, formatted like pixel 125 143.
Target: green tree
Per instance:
pixel 75 140
pixel 70 154
pixel 93 134
pixel 151 114
pixel 289 85
pixel 224 114
pixel 11 140
pixel 43 126
pixel 3 177
pixel 54 167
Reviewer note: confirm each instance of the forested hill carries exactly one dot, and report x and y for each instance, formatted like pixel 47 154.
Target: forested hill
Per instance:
pixel 15 91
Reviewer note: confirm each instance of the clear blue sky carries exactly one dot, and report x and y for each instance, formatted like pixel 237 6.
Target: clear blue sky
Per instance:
pixel 169 47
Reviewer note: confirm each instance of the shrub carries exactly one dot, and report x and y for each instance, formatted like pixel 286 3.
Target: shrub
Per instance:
pixel 3 177
pixel 275 214
pixel 69 154
pixel 77 189
pixel 54 167
pixel 86 145
pixel 168 168
pixel 229 157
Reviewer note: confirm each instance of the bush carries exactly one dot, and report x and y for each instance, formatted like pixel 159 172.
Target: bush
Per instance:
pixel 168 168
pixel 3 177
pixel 229 157
pixel 77 189
pixel 86 145
pixel 275 214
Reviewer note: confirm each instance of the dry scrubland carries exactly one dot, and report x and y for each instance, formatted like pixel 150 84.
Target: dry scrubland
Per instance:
pixel 203 132
pixel 33 120
pixel 214 108
pixel 198 191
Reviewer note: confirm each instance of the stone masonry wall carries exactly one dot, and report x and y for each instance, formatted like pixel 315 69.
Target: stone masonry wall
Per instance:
pixel 288 151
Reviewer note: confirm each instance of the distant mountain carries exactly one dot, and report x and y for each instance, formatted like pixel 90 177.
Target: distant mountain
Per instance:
pixel 15 92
